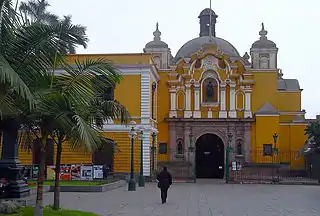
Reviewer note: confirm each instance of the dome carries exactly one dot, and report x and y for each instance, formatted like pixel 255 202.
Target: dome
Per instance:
pixel 264 42
pixel 157 42
pixel 195 44
pixel 206 12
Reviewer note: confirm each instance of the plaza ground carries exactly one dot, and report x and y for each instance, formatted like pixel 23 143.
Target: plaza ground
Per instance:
pixel 201 199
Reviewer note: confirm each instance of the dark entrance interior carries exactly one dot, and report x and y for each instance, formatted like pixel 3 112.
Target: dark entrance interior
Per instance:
pixel 209 157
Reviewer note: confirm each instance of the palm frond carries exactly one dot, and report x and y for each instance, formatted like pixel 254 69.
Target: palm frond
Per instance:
pixel 9 76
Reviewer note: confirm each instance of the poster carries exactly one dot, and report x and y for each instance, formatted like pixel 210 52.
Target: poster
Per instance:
pixel 75 172
pixel 50 172
pixel 35 171
pixel 65 172
pixel 86 172
pixel 97 171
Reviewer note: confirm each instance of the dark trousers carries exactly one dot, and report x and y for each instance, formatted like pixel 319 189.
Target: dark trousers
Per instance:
pixel 164 194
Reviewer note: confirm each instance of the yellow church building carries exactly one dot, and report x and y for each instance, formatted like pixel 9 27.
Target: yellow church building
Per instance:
pixel 196 104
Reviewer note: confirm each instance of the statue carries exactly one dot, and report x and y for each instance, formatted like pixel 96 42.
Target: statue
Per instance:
pixel 210 91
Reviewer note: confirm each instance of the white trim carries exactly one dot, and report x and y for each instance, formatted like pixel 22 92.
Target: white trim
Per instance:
pixel 126 128
pixel 292 113
pixel 293 123
pixel 232 108
pixel 145 94
pixel 267 115
pixel 197 97
pixel 188 97
pixel 290 91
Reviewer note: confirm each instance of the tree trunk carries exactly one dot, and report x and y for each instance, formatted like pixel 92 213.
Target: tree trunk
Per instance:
pixel 56 199
pixel 38 209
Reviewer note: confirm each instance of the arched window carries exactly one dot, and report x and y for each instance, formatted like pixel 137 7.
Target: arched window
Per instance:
pixel 239 146
pixel 180 148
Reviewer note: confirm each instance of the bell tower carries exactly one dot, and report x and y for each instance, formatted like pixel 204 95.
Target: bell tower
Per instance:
pixel 205 22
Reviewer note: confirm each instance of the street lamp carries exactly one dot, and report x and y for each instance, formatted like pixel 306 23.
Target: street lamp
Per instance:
pixel 153 150
pixel 228 150
pixel 192 149
pixel 274 152
pixel 132 135
pixel 141 177
pixel 275 139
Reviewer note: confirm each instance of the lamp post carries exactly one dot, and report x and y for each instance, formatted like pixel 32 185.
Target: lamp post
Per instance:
pixel 153 150
pixel 275 139
pixel 141 177
pixel 274 153
pixel 132 135
pixel 228 150
pixel 192 149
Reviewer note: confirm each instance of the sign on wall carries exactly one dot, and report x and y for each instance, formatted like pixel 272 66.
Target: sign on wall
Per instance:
pixel 86 172
pixel 50 172
pixel 76 172
pixel 98 172
pixel 65 172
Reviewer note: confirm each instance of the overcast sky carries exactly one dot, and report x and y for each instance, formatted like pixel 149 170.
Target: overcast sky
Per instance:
pixel 125 26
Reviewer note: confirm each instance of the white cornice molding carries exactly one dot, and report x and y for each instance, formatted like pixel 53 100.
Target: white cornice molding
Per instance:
pixel 292 113
pixel 290 91
pixel 265 115
pixel 258 70
pixel 294 123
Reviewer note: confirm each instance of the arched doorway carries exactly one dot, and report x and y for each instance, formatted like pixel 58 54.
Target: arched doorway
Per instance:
pixel 209 157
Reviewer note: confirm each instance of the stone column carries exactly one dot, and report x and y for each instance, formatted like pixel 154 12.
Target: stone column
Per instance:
pixel 247 141
pixel 197 112
pixel 173 102
pixel 172 138
pixel 188 112
pixel 223 111
pixel 247 110
pixel 232 111
pixel 10 166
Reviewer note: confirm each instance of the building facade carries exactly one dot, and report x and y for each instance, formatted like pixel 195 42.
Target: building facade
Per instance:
pixel 207 96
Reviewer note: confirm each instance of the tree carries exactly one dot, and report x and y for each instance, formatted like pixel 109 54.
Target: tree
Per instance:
pixel 35 11
pixel 313 133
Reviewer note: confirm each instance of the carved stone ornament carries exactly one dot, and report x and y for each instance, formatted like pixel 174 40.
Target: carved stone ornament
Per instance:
pixel 187 60
pixel 209 63
pixel 209 74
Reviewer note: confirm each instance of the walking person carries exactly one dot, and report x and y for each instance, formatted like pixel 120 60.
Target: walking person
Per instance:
pixel 165 181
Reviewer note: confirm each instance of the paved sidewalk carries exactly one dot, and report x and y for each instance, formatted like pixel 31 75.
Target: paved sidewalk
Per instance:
pixel 202 199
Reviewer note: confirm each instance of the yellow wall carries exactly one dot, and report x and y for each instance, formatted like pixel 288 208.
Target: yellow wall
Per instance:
pixel 264 89
pixel 163 112
pixel 288 101
pixel 128 93
pixel 122 157
pixel 265 127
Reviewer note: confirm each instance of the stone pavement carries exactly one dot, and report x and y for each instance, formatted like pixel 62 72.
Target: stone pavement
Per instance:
pixel 201 199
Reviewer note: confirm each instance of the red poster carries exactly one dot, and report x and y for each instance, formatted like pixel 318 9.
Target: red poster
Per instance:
pixel 65 172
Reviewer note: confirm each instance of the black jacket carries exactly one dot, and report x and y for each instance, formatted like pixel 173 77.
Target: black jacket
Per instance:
pixel 165 179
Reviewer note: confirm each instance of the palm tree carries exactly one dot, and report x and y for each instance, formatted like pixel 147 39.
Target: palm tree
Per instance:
pixel 35 11
pixel 63 107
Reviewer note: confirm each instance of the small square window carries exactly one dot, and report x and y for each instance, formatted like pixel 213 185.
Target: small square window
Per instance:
pixel 267 150
pixel 162 148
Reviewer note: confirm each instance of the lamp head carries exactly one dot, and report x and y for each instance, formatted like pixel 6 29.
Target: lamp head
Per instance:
pixel 275 137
